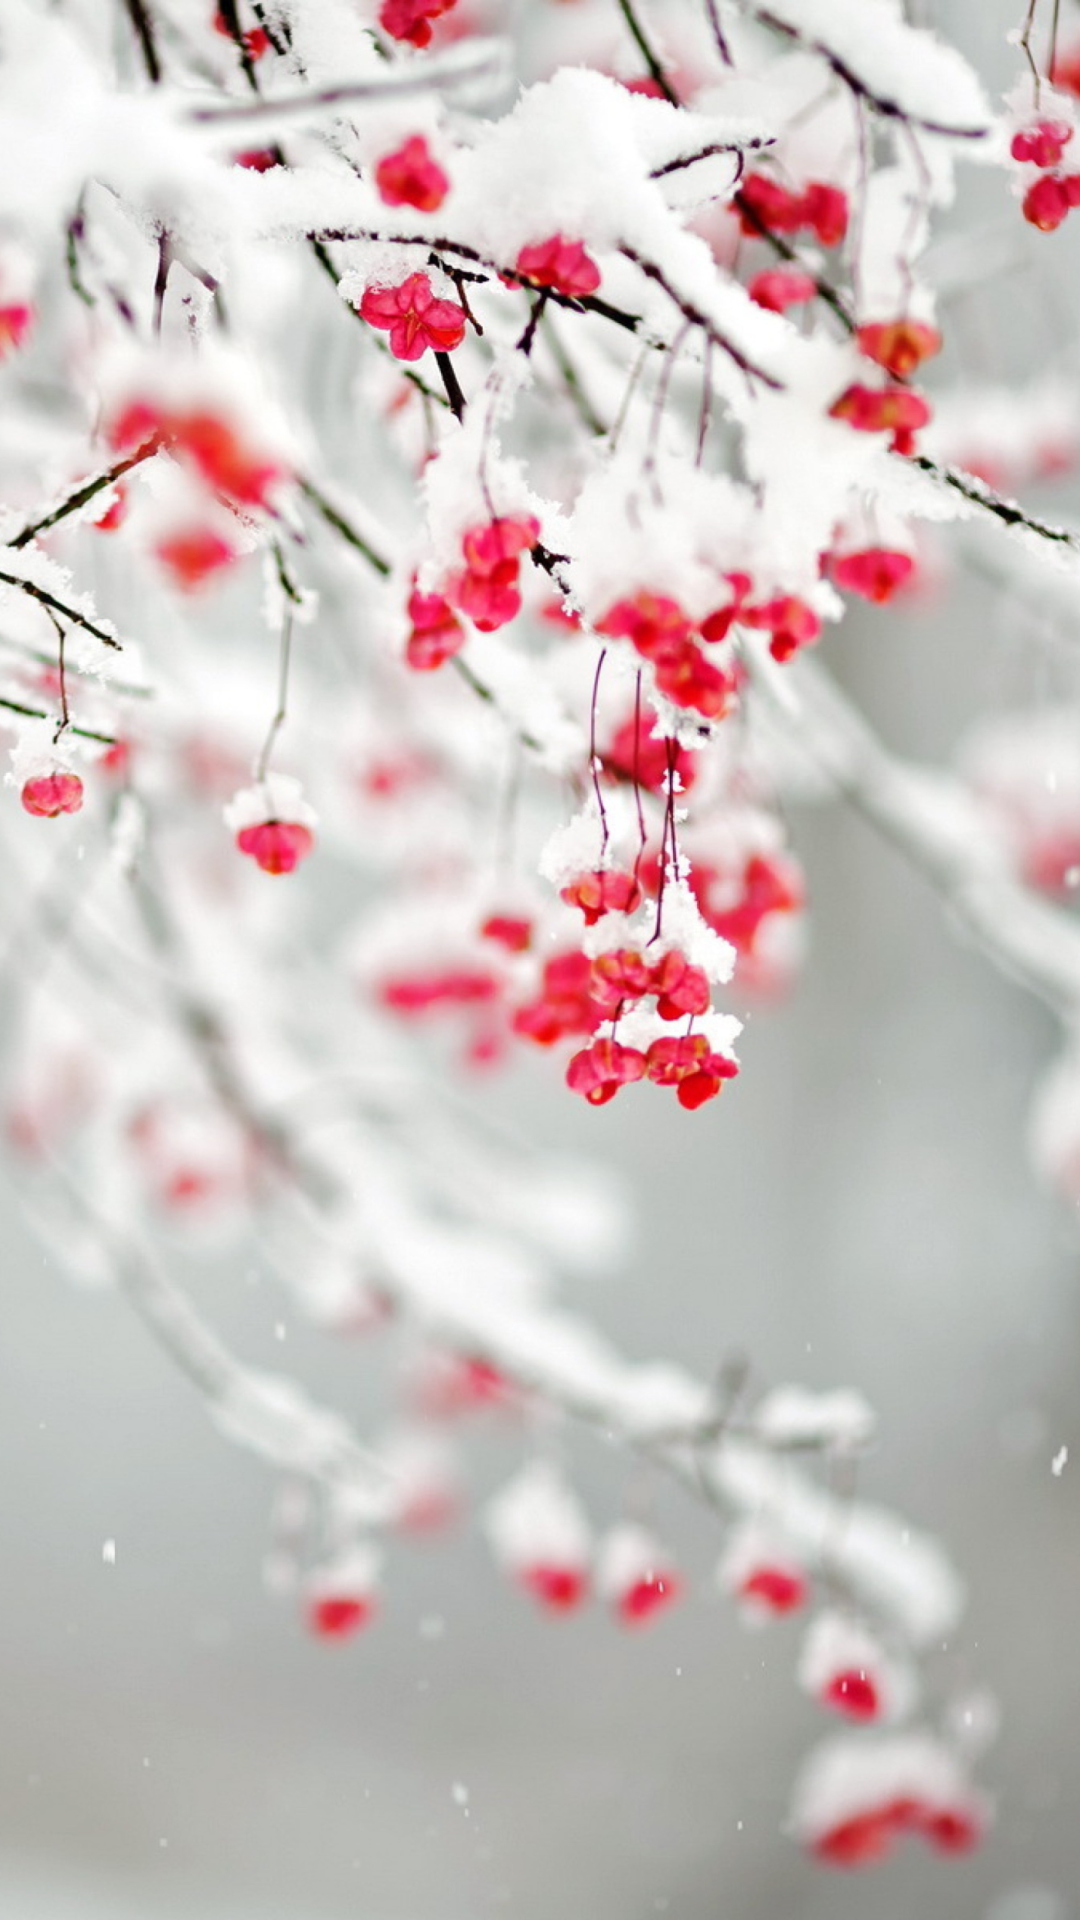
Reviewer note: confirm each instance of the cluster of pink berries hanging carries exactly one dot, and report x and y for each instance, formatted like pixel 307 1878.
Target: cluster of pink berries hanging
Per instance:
pixel 1051 196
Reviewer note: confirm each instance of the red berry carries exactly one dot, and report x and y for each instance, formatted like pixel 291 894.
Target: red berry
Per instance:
pixel 564 1005
pixel 634 750
pixel 277 846
pixel 655 624
pixel 558 1588
pixel 825 209
pixel 608 891
pixel 618 976
pixel 213 447
pixel 1065 71
pixel 436 633
pixel 1042 144
pixel 600 1070
pixel 509 931
pixel 900 346
pixel 1047 202
pixel 560 264
pixel 853 1694
pixel 952 1829
pixel 16 320
pixel 115 513
pixel 414 318
pixel 334 1616
pixel 857 1842
pixel 411 19
pixel 410 177
pixel 774 1589
pixel 681 988
pixel 690 680
pixel 876 572
pixel 648 1596
pixel 790 621
pixel 47 795
pixel 488 590
pixel 765 203
pixel 194 555
pixel 895 410
pixel 779 288
pixel 417 993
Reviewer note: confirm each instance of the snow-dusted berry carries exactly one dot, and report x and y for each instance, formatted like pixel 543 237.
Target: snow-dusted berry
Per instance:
pixel 607 891
pixel 540 1536
pixel 561 264
pixel 635 1575
pixel 414 317
pixel 341 1597
pixel 845 1668
pixel 488 589
pixel 1042 144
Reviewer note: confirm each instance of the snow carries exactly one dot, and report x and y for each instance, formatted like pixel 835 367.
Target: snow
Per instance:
pixel 906 68
pixel 536 1518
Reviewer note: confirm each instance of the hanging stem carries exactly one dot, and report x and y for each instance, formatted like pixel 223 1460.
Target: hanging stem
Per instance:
pixel 281 711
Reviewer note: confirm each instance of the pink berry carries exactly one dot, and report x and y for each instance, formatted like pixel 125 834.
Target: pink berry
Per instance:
pixel 277 846
pixel 16 320
pixel 779 288
pixel 877 573
pixel 49 794
pixel 608 891
pixel 414 318
pixel 560 264
pixel 410 177
pixel 774 1589
pixel 600 1070
pixel 853 1694
pixel 647 1597
pixel 411 19
pixel 1047 202
pixel 333 1616
pixel 558 1588
pixel 900 346
pixel 194 555
pixel 858 1842
pixel 1042 144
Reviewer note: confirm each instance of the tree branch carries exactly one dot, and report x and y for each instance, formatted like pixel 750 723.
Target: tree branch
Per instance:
pixel 929 818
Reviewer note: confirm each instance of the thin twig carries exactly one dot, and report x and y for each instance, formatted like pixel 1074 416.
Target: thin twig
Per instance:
pixel 73 501
pixel 142 22
pixel 343 526
pixel 651 59
pixel 50 601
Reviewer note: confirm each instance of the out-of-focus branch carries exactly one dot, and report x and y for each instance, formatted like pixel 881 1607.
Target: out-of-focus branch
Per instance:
pixel 81 495
pixel 930 819
pixel 268 1416
pixel 445 73
pixel 654 1411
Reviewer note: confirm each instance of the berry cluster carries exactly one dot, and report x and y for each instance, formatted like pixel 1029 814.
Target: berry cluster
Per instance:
pixel 1051 197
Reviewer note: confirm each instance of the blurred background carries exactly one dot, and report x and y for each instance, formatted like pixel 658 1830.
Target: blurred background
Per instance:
pixel 859 1211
